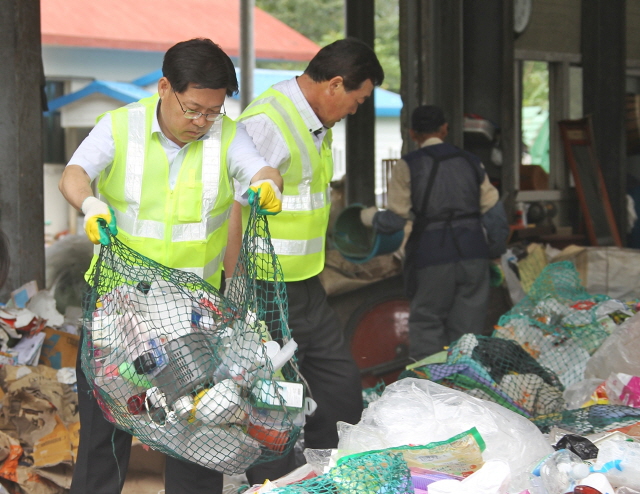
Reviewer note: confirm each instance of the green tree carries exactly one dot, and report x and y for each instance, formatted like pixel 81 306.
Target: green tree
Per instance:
pixel 323 23
pixel 314 19
pixel 386 44
pixel 535 84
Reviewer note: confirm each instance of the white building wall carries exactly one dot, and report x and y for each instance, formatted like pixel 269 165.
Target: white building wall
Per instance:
pixel 66 62
pixel 56 210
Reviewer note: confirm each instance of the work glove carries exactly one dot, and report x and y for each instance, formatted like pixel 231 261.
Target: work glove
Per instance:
pixel 97 215
pixel 366 216
pixel 234 290
pixel 268 195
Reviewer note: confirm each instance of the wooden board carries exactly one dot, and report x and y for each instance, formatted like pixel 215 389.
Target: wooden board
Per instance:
pixel 577 137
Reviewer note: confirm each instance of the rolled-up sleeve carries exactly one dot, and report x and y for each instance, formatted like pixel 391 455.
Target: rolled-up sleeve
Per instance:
pixel 243 159
pixel 489 195
pixel 399 189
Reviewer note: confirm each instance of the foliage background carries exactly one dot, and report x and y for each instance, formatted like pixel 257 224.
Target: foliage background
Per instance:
pixel 323 23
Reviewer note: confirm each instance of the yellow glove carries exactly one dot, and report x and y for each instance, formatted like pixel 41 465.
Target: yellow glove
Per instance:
pixel 268 194
pixel 95 211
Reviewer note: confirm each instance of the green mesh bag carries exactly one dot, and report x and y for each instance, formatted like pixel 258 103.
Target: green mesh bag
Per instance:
pixel 375 473
pixel 497 370
pixel 558 304
pixel 194 374
pixel 590 420
pixel 557 323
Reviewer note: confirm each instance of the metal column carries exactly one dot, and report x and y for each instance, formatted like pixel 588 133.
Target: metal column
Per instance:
pixel 247 53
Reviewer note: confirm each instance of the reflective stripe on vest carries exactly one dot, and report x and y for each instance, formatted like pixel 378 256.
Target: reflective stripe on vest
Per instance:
pixel 183 228
pixel 298 232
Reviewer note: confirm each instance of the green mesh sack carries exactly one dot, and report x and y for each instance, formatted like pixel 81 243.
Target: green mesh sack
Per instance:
pixel 192 373
pixel 558 304
pixel 557 323
pixel 497 370
pixel 375 473
pixel 590 420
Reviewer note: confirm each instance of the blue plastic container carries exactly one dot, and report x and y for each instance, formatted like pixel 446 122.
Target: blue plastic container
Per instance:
pixel 358 243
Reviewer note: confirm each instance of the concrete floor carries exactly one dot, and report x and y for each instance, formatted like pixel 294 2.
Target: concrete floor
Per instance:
pixel 146 473
pixel 153 483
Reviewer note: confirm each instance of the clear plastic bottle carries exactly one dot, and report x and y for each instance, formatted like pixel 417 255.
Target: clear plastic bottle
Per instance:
pixel 560 472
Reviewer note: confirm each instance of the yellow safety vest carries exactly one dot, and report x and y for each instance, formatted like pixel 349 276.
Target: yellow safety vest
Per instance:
pixel 299 231
pixel 184 228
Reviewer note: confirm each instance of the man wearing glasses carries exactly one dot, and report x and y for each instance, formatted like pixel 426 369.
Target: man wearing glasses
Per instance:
pixel 166 166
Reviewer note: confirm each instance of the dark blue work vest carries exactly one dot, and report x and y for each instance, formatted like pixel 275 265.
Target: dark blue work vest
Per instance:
pixel 447 226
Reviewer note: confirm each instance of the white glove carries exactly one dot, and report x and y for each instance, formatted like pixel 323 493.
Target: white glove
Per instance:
pixel 94 209
pixel 234 290
pixel 227 284
pixel 366 216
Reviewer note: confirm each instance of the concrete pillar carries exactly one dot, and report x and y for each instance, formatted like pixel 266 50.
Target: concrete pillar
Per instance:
pixel 360 128
pixel 21 161
pixel 431 60
pixel 603 83
pixel 489 84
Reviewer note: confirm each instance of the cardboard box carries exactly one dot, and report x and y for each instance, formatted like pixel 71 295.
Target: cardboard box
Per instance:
pixel 59 349
pixel 533 177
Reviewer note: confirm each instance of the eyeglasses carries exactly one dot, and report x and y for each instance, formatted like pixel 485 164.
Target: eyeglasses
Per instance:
pixel 193 115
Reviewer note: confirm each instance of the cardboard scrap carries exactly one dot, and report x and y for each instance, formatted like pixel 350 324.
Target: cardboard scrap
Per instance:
pixel 20 296
pixel 59 349
pixel 54 448
pixel 5 445
pixel 9 467
pixel 32 483
pixel 40 417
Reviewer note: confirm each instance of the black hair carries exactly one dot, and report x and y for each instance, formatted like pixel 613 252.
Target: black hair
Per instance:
pixel 200 62
pixel 427 119
pixel 349 58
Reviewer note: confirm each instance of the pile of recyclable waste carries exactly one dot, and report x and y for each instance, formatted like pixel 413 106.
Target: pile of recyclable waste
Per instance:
pixel 549 404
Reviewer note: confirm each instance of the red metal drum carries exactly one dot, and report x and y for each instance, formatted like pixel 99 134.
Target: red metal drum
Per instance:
pixel 380 339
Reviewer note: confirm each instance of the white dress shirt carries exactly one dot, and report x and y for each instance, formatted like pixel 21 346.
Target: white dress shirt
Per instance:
pixel 267 136
pixel 97 151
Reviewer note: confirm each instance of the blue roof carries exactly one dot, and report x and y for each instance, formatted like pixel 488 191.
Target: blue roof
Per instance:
pixel 121 91
pixel 387 103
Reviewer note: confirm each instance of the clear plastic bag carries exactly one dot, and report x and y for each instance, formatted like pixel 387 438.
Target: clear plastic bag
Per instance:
pixel 417 411
pixel 618 353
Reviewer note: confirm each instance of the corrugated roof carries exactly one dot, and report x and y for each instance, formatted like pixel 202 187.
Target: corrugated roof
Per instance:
pixel 156 25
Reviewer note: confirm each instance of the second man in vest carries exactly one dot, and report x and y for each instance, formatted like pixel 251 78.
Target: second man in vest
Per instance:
pixel 290 124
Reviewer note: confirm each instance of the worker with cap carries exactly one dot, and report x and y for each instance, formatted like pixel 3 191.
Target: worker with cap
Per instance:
pixel 445 190
pixel 165 169
pixel 290 124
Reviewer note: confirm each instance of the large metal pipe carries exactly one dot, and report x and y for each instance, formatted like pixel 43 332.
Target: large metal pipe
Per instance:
pixel 247 53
